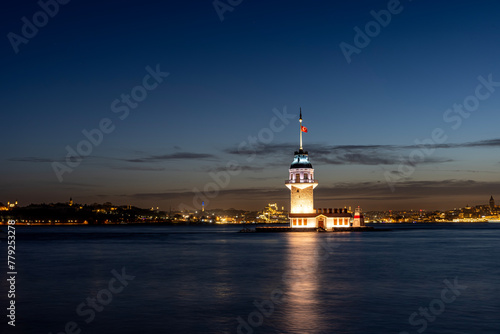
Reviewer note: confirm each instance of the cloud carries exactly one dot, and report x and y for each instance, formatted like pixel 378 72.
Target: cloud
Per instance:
pixel 268 193
pixel 407 189
pixel 262 178
pixel 79 185
pixel 261 149
pixel 139 168
pixel 32 159
pixel 356 158
pixel 343 191
pixel 49 160
pixel 173 156
pixel 480 143
pixel 356 154
pixel 462 171
pixel 241 168
pixel 338 154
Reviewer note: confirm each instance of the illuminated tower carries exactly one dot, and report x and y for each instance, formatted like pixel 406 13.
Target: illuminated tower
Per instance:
pixel 492 204
pixel 303 216
pixel 301 183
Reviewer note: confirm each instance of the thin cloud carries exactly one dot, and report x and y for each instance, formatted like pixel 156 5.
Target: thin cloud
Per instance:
pixel 467 171
pixel 48 160
pixel 173 156
pixel 33 159
pixel 357 154
pixel 240 168
pixel 339 155
pixel 481 143
pixel 242 192
pixel 407 189
pixel 262 178
pixel 145 169
pixel 346 191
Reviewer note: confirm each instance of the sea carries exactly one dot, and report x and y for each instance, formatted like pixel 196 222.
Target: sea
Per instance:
pixel 403 278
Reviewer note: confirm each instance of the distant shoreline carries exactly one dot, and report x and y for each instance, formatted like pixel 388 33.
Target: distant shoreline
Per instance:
pixel 226 224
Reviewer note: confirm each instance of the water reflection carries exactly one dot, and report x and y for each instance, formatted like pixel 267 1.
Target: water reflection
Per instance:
pixel 302 310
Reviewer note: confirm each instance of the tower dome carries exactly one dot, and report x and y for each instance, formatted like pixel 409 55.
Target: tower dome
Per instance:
pixel 301 160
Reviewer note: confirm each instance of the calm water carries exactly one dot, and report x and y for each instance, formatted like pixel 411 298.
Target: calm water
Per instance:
pixel 210 279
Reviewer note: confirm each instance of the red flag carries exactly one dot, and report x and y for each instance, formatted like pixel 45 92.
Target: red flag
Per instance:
pixel 303 129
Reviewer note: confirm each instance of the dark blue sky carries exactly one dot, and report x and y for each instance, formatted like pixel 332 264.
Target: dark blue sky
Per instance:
pixel 226 77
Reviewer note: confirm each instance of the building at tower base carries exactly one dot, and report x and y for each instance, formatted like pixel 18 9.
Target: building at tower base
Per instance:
pixel 326 219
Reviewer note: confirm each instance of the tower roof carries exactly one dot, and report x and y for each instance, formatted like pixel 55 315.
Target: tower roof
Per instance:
pixel 301 160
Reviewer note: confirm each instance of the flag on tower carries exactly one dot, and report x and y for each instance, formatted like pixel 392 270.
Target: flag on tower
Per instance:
pixel 303 129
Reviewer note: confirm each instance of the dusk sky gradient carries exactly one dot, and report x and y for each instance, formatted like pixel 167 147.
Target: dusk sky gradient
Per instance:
pixel 226 78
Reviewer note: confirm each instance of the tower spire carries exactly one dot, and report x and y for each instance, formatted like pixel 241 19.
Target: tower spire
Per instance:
pixel 300 128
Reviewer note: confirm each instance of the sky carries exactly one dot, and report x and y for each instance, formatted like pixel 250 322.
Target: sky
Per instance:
pixel 170 103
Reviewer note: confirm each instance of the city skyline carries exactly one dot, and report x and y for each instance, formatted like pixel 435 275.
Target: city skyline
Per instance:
pixel 172 104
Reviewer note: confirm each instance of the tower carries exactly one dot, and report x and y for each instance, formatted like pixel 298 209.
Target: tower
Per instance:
pixel 492 204
pixel 301 183
pixel 358 220
pixel 303 216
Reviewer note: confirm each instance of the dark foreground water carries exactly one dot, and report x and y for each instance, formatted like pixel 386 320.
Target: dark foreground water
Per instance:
pixel 439 278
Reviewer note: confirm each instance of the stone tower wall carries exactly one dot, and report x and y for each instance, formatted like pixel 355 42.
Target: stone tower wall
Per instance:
pixel 302 201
